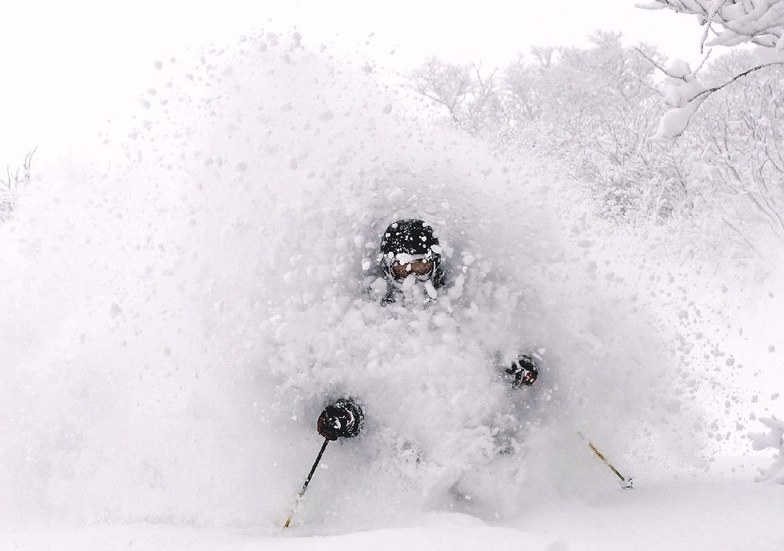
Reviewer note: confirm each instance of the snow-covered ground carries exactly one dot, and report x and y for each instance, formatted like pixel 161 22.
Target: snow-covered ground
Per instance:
pixel 180 303
pixel 694 515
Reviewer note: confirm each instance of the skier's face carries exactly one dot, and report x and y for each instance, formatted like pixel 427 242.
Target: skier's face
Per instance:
pixel 416 267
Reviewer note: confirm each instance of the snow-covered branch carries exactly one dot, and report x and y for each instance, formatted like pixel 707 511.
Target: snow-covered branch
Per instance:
pixel 730 22
pixel 686 94
pixel 757 21
pixel 773 439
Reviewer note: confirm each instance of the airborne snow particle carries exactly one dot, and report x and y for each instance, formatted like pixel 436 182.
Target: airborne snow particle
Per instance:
pixel 115 310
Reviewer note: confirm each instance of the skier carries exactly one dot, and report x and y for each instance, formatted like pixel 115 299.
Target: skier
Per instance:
pixel 410 256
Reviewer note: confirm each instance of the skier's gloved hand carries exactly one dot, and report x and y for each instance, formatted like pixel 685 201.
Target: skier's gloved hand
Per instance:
pixel 341 419
pixel 523 371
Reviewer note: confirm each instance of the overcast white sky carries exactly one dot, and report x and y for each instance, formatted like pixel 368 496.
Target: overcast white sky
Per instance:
pixel 64 63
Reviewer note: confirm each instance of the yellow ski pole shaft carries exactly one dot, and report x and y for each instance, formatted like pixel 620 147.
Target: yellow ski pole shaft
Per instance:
pixel 307 481
pixel 626 482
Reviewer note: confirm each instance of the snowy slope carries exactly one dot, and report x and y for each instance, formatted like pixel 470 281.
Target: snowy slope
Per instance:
pixel 692 515
pixel 176 316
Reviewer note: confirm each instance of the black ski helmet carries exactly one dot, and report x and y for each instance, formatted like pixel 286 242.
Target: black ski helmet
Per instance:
pixel 409 236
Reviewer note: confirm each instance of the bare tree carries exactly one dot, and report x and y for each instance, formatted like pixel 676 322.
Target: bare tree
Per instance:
pixel 471 98
pixel 446 84
pixel 595 109
pixel 741 140
pixel 12 184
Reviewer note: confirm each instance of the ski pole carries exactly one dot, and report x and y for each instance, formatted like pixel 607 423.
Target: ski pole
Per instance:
pixel 307 481
pixel 626 482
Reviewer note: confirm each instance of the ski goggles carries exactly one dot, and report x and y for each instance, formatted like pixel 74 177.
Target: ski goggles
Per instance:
pixel 419 267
